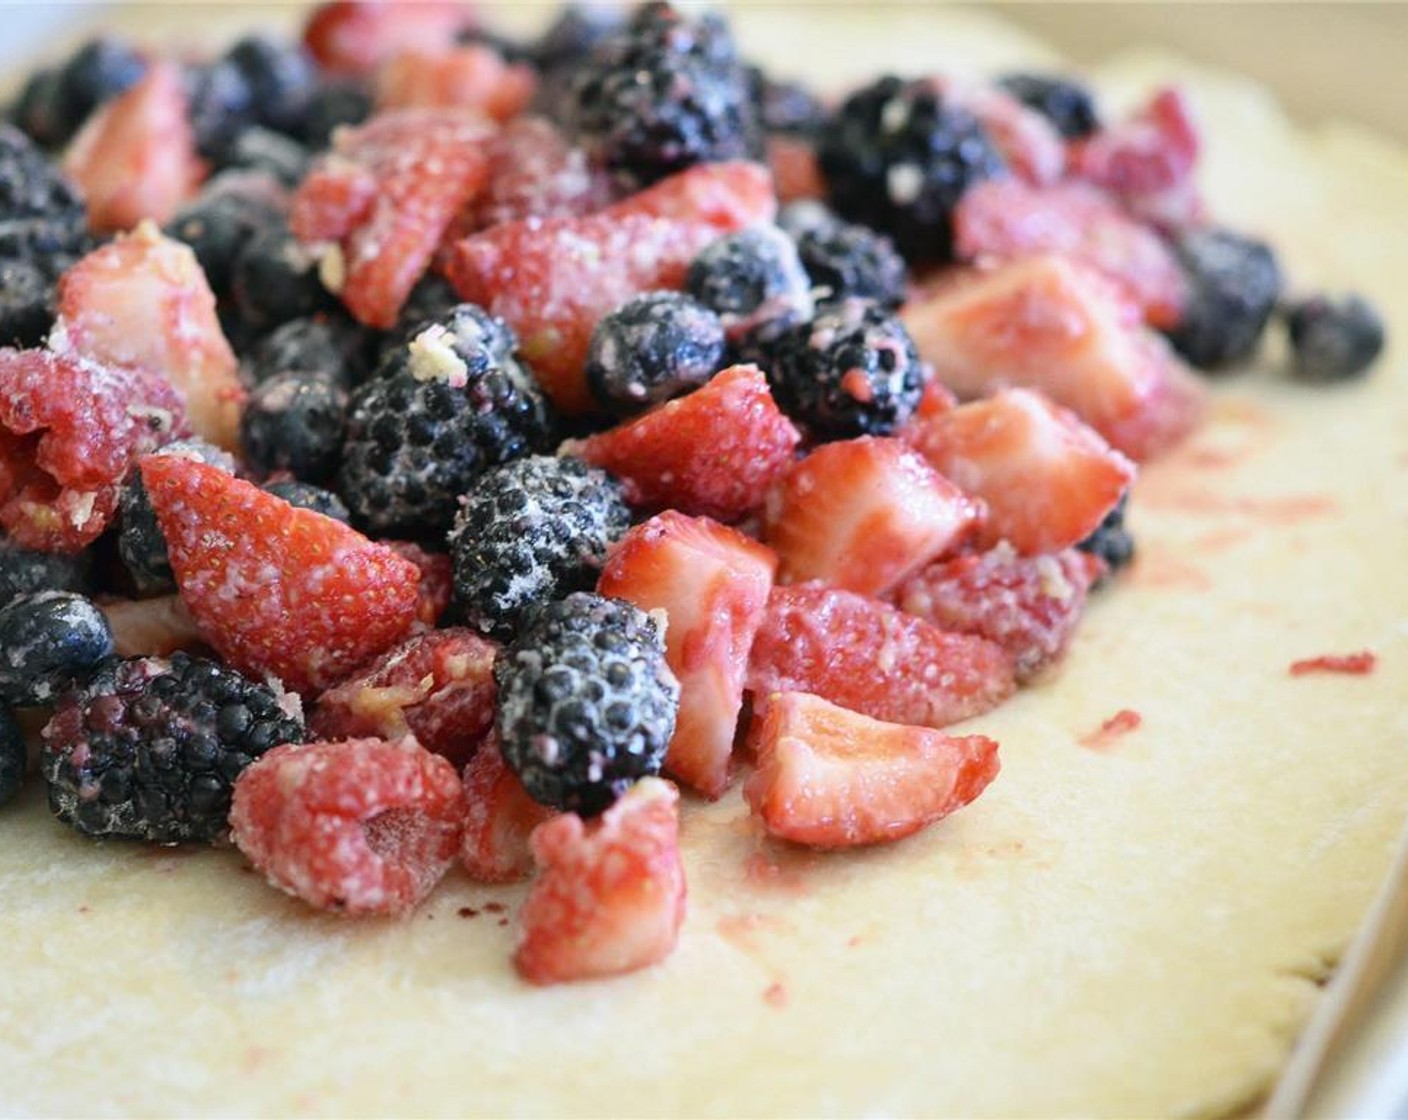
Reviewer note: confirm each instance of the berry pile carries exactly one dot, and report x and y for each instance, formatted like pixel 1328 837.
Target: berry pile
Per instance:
pixel 483 400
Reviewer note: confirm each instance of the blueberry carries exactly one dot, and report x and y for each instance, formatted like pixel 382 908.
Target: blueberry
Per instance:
pixel 786 107
pixel 14 758
pixel 325 345
pixel 1233 283
pixel 42 110
pixel 280 157
pixel 281 79
pixel 99 71
pixel 305 496
pixel 219 103
pixel 651 348
pixel 296 423
pixel 49 640
pixel 1334 339
pixel 275 279
pixel 231 210
pixel 23 572
pixel 1067 104
pixel 334 103
pixel 752 280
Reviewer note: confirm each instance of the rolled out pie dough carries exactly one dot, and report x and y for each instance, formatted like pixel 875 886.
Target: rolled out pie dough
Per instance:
pixel 1122 925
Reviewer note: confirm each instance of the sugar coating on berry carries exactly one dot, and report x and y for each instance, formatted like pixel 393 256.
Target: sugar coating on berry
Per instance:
pixel 754 281
pixel 1233 283
pixel 48 640
pixel 1334 339
pixel 651 348
pixel 844 259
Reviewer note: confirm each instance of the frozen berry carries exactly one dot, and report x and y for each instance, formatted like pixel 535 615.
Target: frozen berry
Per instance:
pixel 217 224
pixel 784 106
pixel 330 346
pixel 41 211
pixel 219 103
pixel 23 572
pixel 99 71
pixel 335 102
pixel 1334 339
pixel 305 496
pixel 295 422
pixel 1232 283
pixel 275 279
pixel 26 303
pixel 49 639
pixel 14 757
pixel 1112 541
pixel 150 748
pixel 844 259
pixel 530 531
pixel 272 153
pixel 587 704
pixel 1068 105
pixel 41 111
pixel 281 78
pixel 573 34
pixel 754 281
pixel 652 348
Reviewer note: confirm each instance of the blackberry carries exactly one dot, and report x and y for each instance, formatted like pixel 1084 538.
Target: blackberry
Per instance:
pixel 99 70
pixel 587 704
pixel 14 757
pixel 230 210
pixel 1111 541
pixel 275 279
pixel 41 111
pixel 281 78
pixel 651 348
pixel 23 572
pixel 1067 104
pixel 304 496
pixel 852 371
pixel 333 103
pixel 49 639
pixel 532 530
pixel 150 748
pixel 897 158
pixel 782 106
pixel 26 303
pixel 1333 339
pixel 1233 283
pixel 295 422
pixel 754 281
pixel 433 300
pixel 41 213
pixel 440 411
pixel 574 34
pixel 844 259
pixel 510 50
pixel 140 542
pixel 661 94
pixel 330 346
pixel 280 157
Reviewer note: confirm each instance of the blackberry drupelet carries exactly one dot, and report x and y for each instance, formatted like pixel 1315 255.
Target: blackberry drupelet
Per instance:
pixel 14 757
pixel 1233 283
pixel 1067 104
pixel 232 208
pixel 896 157
pixel 41 212
pixel 852 371
pixel 1333 339
pixel 304 496
pixel 23 572
pixel 754 281
pixel 331 345
pixel 271 153
pixel 281 78
pixel 333 103
pixel 439 412
pixel 532 530
pixel 587 704
pixel 150 749
pixel 1111 541
pixel 275 279
pixel 844 259
pixel 651 348
pixel 99 70
pixel 295 422
pixel 48 640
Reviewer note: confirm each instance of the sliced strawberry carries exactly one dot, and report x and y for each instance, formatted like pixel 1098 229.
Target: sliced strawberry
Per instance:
pixel 1154 150
pixel 712 582
pixel 385 195
pixel 438 687
pixel 469 77
pixel 142 300
pixel 537 171
pixel 136 156
pixel 275 589
pixel 833 778
pixel 70 430
pixel 711 453
pixel 1029 605
pixel 862 514
pixel 499 818
pixel 1000 219
pixel 867 656
pixel 437 580
pixel 354 36
pixel 1049 322
pixel 553 279
pixel 794 167
pixel 610 895
pixel 1047 479
pixel 151 627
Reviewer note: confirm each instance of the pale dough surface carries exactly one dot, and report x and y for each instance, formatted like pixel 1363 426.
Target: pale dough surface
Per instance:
pixel 1134 930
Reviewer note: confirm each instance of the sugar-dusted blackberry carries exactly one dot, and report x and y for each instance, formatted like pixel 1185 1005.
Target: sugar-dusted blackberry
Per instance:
pixel 281 78
pixel 754 281
pixel 14 757
pixel 1067 104
pixel 261 149
pixel 23 571
pixel 305 496
pixel 275 279
pixel 41 212
pixel 41 110
pixel 844 259
pixel 784 106
pixel 329 345
pixel 896 156
pixel 651 348
pixel 150 748
pixel 140 542
pixel 661 94
pixel 1232 285
pixel 98 71
pixel 529 531
pixel 1333 339
pixel 852 371
pixel 333 103
pixel 587 704
pixel 49 639
pixel 1111 541
pixel 295 422
pixel 232 208
pixel 442 410
pixel 26 303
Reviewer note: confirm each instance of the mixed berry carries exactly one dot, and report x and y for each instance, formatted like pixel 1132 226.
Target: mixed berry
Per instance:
pixel 415 443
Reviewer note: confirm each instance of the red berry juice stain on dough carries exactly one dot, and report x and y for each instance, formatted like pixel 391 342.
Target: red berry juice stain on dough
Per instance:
pixel 1359 664
pixel 775 995
pixel 1112 730
pixel 771 870
pixel 1167 572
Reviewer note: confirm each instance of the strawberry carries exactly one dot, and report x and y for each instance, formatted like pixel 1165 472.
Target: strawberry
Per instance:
pixel 70 430
pixel 712 582
pixel 276 589
pixel 553 278
pixel 142 301
pixel 862 514
pixel 353 37
pixel 1029 605
pixel 794 167
pixel 1154 150
pixel 437 580
pixel 711 453
pixel 437 686
pixel 151 627
pixel 469 77
pixel 833 778
pixel 537 172
pixel 1047 479
pixel 610 895
pixel 136 156
pixel 1000 219
pixel 386 194
pixel 1049 322
pixel 499 818
pixel 1029 144
pixel 865 655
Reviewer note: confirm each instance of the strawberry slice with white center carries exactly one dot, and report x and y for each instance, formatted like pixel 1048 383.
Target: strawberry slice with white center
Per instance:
pixel 1048 480
pixel 863 514
pixel 833 778
pixel 712 582
pixel 499 818
pixel 610 896
pixel 1051 323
